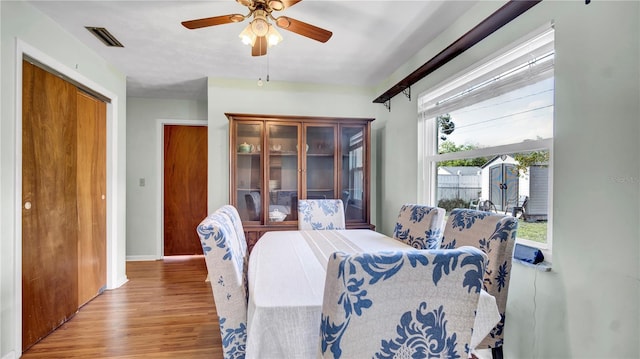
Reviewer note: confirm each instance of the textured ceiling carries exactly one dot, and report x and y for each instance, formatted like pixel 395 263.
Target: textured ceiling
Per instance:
pixel 163 59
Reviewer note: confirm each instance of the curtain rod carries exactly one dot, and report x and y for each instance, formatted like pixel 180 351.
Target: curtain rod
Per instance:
pixel 493 22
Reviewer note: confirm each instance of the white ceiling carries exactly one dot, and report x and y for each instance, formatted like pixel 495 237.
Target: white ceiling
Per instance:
pixel 163 59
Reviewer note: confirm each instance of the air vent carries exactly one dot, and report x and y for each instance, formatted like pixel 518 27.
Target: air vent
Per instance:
pixel 105 36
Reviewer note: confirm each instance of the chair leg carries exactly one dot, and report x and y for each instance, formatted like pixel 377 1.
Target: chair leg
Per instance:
pixel 496 353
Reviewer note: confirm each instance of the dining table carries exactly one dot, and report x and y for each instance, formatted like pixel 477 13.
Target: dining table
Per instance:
pixel 286 276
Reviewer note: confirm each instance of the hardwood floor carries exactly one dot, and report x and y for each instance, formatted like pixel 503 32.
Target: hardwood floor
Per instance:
pixel 166 310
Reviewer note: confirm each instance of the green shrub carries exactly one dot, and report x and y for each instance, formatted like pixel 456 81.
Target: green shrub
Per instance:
pixel 449 204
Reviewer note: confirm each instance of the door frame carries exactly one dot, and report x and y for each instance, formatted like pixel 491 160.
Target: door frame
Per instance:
pixel 113 221
pixel 160 123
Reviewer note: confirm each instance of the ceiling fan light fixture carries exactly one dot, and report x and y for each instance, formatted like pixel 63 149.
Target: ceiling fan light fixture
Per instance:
pixel 259 25
pixel 247 36
pixel 273 36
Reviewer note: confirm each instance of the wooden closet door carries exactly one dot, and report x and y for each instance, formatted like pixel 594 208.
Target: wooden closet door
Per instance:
pixel 49 214
pixel 91 196
pixel 185 188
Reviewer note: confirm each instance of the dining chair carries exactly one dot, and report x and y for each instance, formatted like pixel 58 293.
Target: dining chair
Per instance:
pixel 495 235
pixel 321 214
pixel 226 260
pixel 252 200
pixel 407 304
pixel 420 226
pixel 234 216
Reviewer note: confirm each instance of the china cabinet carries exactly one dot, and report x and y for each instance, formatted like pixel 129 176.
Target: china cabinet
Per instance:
pixel 277 160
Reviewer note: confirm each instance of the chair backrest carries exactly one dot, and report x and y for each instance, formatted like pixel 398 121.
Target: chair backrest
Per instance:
pixel 495 235
pixel 405 304
pixel 234 216
pixel 253 203
pixel 226 260
pixel 420 226
pixel 345 197
pixel 321 214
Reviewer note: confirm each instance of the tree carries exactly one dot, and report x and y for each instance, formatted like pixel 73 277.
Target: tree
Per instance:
pixel 448 146
pixel 446 125
pixel 525 160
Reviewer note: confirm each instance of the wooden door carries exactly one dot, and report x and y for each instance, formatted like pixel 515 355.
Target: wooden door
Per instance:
pixel 185 187
pixel 91 196
pixel 49 212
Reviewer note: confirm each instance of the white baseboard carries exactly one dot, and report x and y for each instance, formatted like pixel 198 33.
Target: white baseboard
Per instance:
pixel 10 355
pixel 142 258
pixel 119 283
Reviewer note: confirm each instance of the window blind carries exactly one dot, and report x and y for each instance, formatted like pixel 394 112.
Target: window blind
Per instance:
pixel 526 64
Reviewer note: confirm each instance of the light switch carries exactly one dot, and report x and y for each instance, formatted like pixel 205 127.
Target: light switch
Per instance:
pixel 142 182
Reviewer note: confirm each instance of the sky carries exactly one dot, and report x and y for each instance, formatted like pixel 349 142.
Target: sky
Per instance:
pixel 523 114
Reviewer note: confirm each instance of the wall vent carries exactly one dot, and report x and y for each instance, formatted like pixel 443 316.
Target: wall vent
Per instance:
pixel 105 36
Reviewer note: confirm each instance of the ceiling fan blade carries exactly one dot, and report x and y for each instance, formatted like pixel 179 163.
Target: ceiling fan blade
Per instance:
pixel 290 3
pixel 259 47
pixel 212 21
pixel 304 29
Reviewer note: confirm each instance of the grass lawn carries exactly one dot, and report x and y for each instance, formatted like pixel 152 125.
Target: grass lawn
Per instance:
pixel 535 231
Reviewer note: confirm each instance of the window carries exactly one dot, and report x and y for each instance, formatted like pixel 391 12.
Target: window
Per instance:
pixel 356 165
pixel 486 137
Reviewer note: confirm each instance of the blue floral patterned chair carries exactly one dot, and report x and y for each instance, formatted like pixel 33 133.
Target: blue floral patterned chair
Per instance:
pixel 495 235
pixel 226 259
pixel 234 216
pixel 321 214
pixel 420 226
pixel 405 304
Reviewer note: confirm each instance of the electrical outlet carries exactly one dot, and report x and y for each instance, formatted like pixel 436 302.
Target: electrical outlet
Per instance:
pixel 142 182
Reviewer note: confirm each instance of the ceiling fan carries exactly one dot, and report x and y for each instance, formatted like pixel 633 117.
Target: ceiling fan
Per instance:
pixel 260 33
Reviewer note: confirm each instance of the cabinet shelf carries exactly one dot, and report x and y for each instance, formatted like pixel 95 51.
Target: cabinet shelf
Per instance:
pixel 283 153
pixel 320 155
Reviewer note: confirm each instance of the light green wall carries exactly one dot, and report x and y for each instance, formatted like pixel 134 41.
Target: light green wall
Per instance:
pixel 588 305
pixel 143 161
pixel 226 96
pixel 37 33
pixel 396 130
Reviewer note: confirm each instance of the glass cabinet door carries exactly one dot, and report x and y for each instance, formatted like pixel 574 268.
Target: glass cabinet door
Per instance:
pixel 248 184
pixel 352 182
pixel 282 172
pixel 320 162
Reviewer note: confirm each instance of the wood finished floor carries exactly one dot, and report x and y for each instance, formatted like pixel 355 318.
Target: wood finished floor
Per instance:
pixel 166 310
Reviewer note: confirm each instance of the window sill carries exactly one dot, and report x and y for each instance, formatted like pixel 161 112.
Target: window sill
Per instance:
pixel 543 266
pixel 526 250
pixel 544 247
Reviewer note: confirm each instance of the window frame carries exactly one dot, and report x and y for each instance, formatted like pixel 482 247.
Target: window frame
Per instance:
pixel 428 156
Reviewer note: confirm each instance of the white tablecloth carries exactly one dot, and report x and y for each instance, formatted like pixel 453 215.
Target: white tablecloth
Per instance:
pixel 286 285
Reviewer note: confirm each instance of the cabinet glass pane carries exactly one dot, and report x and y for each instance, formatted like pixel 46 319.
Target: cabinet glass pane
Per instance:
pixel 248 172
pixel 320 162
pixel 352 181
pixel 282 173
